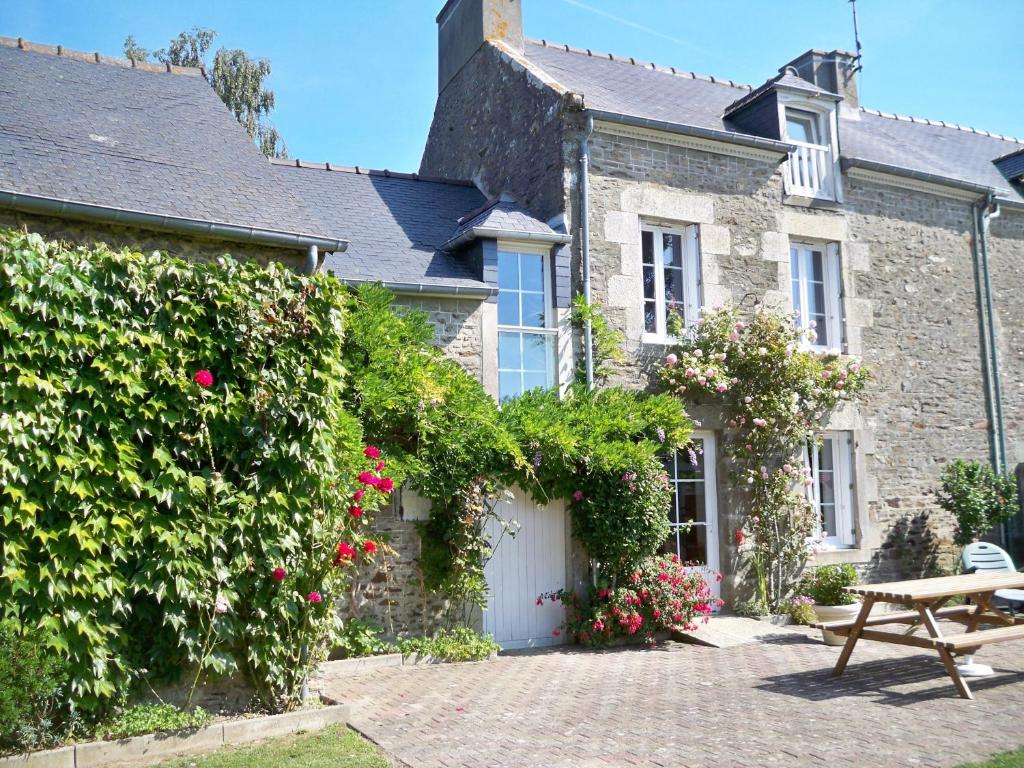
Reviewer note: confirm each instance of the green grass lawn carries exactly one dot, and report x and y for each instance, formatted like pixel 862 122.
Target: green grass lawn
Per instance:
pixel 1014 759
pixel 334 747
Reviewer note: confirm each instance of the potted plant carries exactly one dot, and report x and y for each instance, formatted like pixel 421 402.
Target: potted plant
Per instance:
pixel 824 585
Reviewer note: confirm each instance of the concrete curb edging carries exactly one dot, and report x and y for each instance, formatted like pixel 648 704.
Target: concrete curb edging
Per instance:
pixel 154 748
pixel 363 664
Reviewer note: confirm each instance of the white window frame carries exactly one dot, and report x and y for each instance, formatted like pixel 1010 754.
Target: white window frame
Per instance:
pixel 831 269
pixel 827 129
pixel 549 328
pixel 843 481
pixel 689 236
pixel 710 483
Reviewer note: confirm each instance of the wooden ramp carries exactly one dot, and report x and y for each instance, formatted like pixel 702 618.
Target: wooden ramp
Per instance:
pixel 727 631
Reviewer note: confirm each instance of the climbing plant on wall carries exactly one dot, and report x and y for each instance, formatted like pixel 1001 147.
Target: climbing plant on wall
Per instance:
pixel 775 395
pixel 179 477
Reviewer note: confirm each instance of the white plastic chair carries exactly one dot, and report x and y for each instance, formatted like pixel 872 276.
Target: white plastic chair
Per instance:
pixel 982 557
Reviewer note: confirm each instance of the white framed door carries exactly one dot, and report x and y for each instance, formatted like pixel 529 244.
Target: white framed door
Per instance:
pixel 522 568
pixel 693 518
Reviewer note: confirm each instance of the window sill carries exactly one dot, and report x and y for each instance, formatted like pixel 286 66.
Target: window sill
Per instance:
pixel 803 201
pixel 655 339
pixel 838 556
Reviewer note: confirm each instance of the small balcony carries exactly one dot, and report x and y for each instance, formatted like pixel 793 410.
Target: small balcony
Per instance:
pixel 811 171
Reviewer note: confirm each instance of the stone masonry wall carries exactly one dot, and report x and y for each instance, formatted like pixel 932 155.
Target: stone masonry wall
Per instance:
pixel 391 594
pixel 498 125
pixel 146 241
pixel 909 306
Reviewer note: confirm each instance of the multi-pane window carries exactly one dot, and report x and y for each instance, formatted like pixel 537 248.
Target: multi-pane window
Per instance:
pixel 831 489
pixel 817 299
pixel 526 342
pixel 671 276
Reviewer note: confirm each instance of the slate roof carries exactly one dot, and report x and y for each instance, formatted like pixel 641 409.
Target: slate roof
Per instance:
pixel 503 215
pixel 105 133
pixel 627 87
pixel 396 224
pixel 1012 165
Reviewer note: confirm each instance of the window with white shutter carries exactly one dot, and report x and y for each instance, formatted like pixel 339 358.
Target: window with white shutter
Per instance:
pixel 817 294
pixel 831 489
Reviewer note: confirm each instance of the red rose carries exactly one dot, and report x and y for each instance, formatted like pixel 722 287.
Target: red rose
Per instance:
pixel 369 547
pixel 358 494
pixel 345 553
pixel 385 485
pixel 203 378
pixel 739 537
pixel 556 632
pixel 355 511
pixel 368 478
pixel 371 452
pixel 314 597
pixel 380 466
pixel 540 601
pixel 278 574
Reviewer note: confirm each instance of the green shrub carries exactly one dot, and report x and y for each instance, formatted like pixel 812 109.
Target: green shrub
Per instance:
pixel 152 718
pixel 170 434
pixel 361 638
pixel 34 709
pixel 824 585
pixel 456 644
pixel 978 497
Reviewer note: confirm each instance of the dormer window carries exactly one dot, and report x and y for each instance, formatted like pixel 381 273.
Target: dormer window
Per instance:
pixel 811 169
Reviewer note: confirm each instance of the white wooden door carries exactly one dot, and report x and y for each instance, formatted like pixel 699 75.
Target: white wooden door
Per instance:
pixel 521 569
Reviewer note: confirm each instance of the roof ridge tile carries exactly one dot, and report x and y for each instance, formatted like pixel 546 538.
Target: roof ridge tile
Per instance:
pixel 643 64
pixel 941 124
pixel 97 58
pixel 361 171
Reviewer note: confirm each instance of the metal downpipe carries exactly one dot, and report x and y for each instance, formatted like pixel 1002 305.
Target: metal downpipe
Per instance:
pixel 588 331
pixel 990 210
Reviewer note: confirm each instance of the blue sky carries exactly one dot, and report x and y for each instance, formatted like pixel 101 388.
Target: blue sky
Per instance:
pixel 356 79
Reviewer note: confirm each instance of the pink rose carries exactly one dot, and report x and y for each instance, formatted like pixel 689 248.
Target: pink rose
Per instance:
pixel 314 597
pixel 203 378
pixel 671 359
pixel 578 495
pixel 371 452
pixel 722 387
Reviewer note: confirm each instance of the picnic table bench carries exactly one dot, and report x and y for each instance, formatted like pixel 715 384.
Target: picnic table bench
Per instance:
pixel 926 599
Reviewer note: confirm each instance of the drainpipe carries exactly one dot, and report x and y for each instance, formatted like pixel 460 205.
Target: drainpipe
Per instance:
pixel 588 345
pixel 984 211
pixel 312 260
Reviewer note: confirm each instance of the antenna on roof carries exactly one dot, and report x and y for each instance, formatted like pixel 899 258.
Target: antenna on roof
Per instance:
pixel 856 36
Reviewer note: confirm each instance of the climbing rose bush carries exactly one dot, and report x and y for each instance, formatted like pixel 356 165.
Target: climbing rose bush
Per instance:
pixel 662 594
pixel 775 395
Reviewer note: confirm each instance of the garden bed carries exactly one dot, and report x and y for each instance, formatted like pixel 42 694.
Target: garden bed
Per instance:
pixel 155 748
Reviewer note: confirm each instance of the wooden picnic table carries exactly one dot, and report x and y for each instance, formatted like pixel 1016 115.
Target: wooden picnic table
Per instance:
pixel 925 600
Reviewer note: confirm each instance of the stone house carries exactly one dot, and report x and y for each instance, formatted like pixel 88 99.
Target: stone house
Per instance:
pixel 551 172
pixel 897 236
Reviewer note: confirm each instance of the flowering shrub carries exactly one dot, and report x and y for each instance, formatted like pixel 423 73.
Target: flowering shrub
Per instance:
pixel 801 609
pixel 775 395
pixel 661 594
pixel 602 451
pixel 177 464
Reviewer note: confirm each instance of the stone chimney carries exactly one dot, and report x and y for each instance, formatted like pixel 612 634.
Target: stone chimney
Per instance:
pixel 464 25
pixel 835 71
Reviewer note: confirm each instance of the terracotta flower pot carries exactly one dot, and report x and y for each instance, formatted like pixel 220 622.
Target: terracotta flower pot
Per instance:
pixel 835 613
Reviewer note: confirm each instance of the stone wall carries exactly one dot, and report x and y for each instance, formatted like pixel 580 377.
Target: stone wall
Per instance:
pixel 498 124
pixel 391 594
pixel 146 241
pixel 909 305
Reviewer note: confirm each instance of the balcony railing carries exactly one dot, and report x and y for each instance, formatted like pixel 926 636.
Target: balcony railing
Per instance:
pixel 811 171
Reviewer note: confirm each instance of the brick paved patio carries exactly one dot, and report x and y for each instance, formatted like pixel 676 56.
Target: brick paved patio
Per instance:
pixel 761 704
